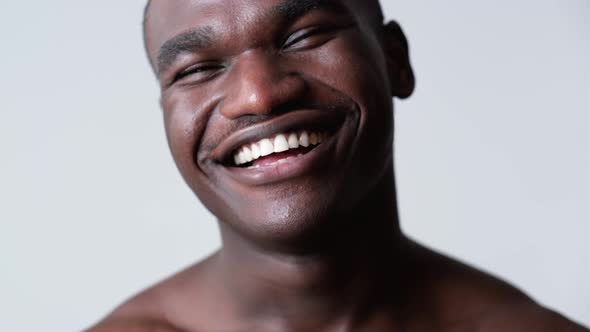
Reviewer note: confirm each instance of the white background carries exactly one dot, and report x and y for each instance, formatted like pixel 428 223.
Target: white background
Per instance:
pixel 492 154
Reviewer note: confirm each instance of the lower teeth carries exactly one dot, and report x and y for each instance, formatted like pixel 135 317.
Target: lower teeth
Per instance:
pixel 280 161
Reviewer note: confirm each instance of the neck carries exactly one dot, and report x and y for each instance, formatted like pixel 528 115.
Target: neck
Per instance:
pixel 334 284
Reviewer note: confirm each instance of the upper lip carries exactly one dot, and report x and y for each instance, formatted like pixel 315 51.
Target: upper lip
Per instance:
pixel 293 121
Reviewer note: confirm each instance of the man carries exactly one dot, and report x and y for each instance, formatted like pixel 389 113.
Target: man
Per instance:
pixel 279 116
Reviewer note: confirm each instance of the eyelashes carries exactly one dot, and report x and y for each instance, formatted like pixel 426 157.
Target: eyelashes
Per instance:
pixel 300 40
pixel 201 70
pixel 307 38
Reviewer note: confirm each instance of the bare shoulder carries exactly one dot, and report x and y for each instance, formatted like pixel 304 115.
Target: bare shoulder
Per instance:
pixel 132 325
pixel 158 308
pixel 528 317
pixel 468 299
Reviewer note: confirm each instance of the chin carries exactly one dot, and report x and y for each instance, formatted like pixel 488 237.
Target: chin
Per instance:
pixel 288 218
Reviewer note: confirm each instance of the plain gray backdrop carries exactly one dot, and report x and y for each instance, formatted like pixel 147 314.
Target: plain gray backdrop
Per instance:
pixel 492 154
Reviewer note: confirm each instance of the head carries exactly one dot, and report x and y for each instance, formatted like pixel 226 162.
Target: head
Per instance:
pixel 236 75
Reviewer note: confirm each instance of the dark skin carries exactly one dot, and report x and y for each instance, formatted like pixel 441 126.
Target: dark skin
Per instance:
pixel 313 244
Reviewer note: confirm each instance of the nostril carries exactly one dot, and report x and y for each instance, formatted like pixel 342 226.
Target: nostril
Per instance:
pixel 259 87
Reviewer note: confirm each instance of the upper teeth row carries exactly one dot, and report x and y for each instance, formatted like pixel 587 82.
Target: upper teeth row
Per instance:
pixel 278 143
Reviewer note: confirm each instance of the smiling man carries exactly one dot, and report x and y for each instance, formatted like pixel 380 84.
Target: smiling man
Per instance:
pixel 279 116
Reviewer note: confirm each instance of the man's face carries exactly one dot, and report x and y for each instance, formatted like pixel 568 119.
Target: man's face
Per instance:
pixel 242 78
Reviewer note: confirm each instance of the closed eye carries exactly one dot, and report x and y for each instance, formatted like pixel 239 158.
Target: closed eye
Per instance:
pixel 198 72
pixel 308 38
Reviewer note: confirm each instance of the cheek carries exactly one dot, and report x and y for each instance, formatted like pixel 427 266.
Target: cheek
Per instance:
pixel 180 132
pixel 187 112
pixel 185 121
pixel 356 67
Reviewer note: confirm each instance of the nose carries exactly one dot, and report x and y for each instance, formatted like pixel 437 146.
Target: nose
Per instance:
pixel 259 86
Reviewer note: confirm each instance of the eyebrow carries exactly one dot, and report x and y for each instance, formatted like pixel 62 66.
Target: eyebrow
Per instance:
pixel 290 10
pixel 202 37
pixel 187 41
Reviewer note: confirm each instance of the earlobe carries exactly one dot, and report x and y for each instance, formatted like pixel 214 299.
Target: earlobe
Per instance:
pixel 399 69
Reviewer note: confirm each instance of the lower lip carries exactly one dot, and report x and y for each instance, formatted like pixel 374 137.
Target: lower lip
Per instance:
pixel 284 169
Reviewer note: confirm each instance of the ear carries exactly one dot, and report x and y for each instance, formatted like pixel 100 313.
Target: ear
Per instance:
pixel 399 69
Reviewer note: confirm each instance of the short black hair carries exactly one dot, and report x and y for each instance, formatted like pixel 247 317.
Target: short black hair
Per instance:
pixel 373 5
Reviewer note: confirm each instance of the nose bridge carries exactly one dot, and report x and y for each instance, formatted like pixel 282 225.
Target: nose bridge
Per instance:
pixel 258 85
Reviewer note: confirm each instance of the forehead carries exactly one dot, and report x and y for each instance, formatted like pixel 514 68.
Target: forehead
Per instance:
pixel 167 18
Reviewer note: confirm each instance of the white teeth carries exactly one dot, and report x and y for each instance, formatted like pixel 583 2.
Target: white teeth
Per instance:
pixel 241 157
pixel 266 147
pixel 304 139
pixel 281 143
pixel 293 141
pixel 276 144
pixel 247 154
pixel 255 151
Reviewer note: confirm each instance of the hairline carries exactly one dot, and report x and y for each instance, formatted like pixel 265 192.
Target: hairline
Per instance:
pixel 374 8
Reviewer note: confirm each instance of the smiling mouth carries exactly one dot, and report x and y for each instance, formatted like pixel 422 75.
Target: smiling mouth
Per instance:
pixel 277 149
pixel 287 135
pixel 303 142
